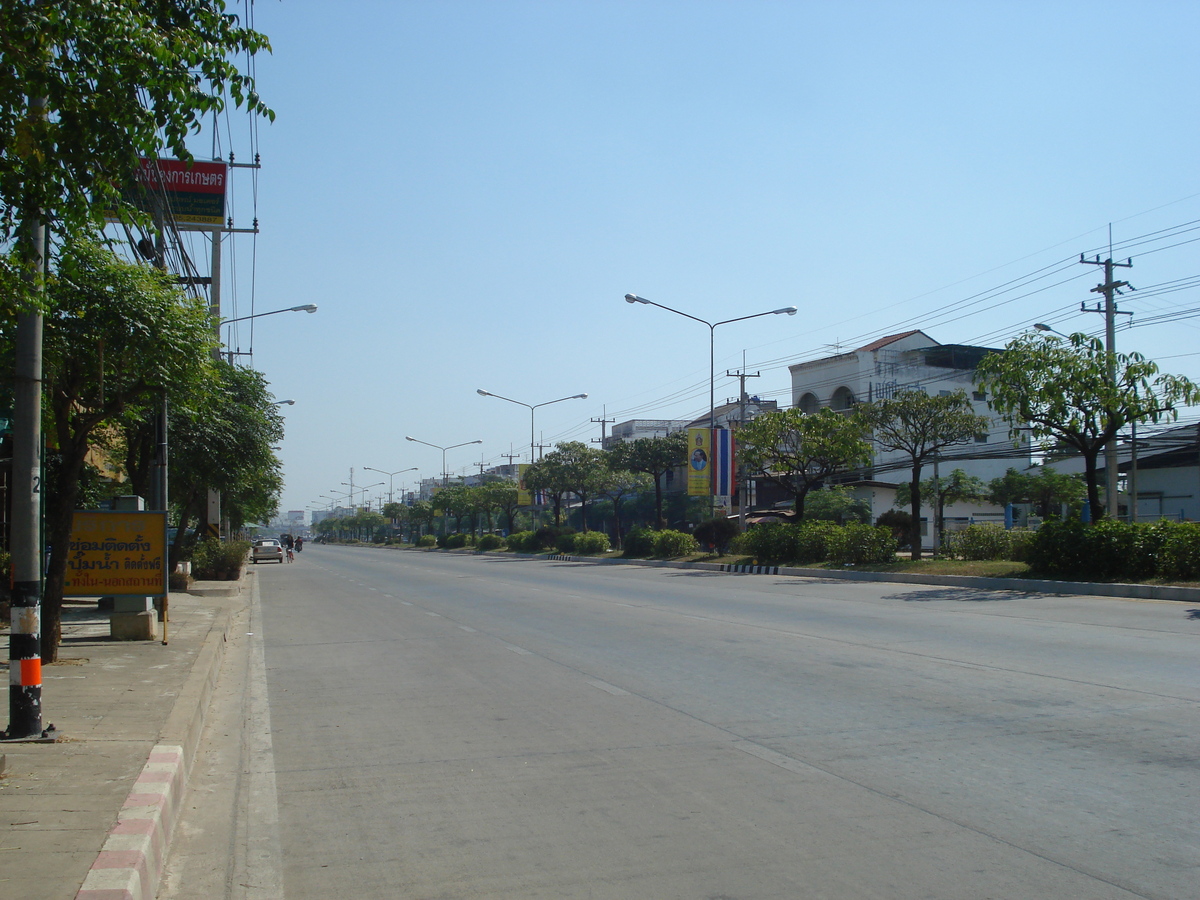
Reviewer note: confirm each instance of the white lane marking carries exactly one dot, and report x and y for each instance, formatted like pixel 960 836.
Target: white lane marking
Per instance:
pixel 466 628
pixel 610 688
pixel 262 867
pixel 435 615
pixel 406 603
pixel 520 650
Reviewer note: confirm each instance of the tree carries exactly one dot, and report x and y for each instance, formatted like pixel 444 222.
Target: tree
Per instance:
pixel 582 467
pixel 836 503
pixel 798 450
pixel 919 425
pixel 655 457
pixel 1065 390
pixel 119 80
pixel 222 436
pixel 116 336
pixel 616 485
pixel 452 501
pixel 506 497
pixel 550 476
pixel 1047 490
pixel 957 487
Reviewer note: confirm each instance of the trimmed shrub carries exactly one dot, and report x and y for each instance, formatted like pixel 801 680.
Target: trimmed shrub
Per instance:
pixel 214 560
pixel 522 542
pixel 547 536
pixel 565 543
pixel 668 543
pixel 1180 555
pixel 427 540
pixel 861 545
pixel 454 541
pixel 985 541
pixel 639 543
pixel 1111 550
pixel 591 542
pixel 489 542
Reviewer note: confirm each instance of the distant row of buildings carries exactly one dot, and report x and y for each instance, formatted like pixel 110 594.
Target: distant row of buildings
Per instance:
pixel 1167 464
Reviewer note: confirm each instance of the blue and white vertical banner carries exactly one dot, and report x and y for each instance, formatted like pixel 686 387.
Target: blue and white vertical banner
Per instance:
pixel 724 468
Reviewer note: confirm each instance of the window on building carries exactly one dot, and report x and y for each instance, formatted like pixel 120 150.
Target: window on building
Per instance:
pixel 981 438
pixel 980 395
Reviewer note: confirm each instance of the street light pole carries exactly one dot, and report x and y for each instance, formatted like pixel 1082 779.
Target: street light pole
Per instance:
pixel 531 407
pixel 445 477
pixel 390 476
pixel 712 328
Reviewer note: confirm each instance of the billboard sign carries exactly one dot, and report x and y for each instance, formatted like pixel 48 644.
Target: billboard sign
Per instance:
pixel 117 553
pixel 193 193
pixel 699 462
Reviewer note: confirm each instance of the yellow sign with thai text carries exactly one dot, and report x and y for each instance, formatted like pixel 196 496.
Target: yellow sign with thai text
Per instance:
pixel 117 553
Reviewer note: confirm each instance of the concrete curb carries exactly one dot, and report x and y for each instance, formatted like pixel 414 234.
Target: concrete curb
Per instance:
pixel 131 861
pixel 1016 585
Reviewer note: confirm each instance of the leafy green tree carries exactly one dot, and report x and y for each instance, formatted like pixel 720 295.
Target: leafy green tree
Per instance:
pixel 421 515
pixel 1012 487
pixel 504 496
pixel 1063 390
pixel 655 457
pixel 116 336
pixel 550 476
pixel 957 487
pixel 221 434
pixel 836 503
pixel 799 451
pixel 119 80
pixel 919 425
pixel 582 467
pixel 453 502
pixel 616 485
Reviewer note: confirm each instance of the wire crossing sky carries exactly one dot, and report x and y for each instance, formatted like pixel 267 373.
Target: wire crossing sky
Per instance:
pixel 468 190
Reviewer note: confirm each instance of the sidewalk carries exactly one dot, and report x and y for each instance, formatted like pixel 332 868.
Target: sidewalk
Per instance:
pixel 99 803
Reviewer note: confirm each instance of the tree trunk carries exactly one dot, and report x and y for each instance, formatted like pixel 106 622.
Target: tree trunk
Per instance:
pixel 1091 474
pixel 915 533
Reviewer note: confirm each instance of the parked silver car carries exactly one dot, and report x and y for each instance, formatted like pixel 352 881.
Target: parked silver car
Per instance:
pixel 265 550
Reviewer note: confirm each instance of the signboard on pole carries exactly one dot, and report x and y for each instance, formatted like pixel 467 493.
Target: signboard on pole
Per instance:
pixel 188 193
pixel 524 497
pixel 117 553
pixel 699 463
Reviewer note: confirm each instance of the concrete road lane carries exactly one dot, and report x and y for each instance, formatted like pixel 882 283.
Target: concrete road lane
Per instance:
pixel 468 726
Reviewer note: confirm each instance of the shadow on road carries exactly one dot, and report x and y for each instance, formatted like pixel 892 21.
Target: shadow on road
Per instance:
pixel 959 595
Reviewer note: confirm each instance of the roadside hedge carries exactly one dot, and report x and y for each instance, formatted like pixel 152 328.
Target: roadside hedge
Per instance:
pixel 590 543
pixel 989 541
pixel 214 560
pixel 776 543
pixel 1110 550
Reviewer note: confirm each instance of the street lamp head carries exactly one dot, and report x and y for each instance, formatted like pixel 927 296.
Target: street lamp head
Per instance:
pixel 1042 326
pixel 482 393
pixel 407 438
pixel 285 402
pixel 307 307
pixel 789 310
pixel 579 397
pixel 634 298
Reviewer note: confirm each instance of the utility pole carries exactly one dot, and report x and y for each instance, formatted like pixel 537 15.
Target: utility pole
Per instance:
pixel 603 422
pixel 1109 289
pixel 743 492
pixel 25 636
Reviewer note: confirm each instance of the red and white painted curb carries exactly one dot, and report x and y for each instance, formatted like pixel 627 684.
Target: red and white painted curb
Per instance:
pixel 133 854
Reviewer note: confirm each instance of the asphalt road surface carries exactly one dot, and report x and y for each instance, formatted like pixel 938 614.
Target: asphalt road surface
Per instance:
pixel 431 725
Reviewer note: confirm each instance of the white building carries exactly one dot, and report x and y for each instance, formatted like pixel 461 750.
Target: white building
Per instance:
pixel 903 362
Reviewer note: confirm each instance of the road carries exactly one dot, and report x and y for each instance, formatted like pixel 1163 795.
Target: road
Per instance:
pixel 429 725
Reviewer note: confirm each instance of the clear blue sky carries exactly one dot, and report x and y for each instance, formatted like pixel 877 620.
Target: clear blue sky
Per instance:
pixel 468 190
